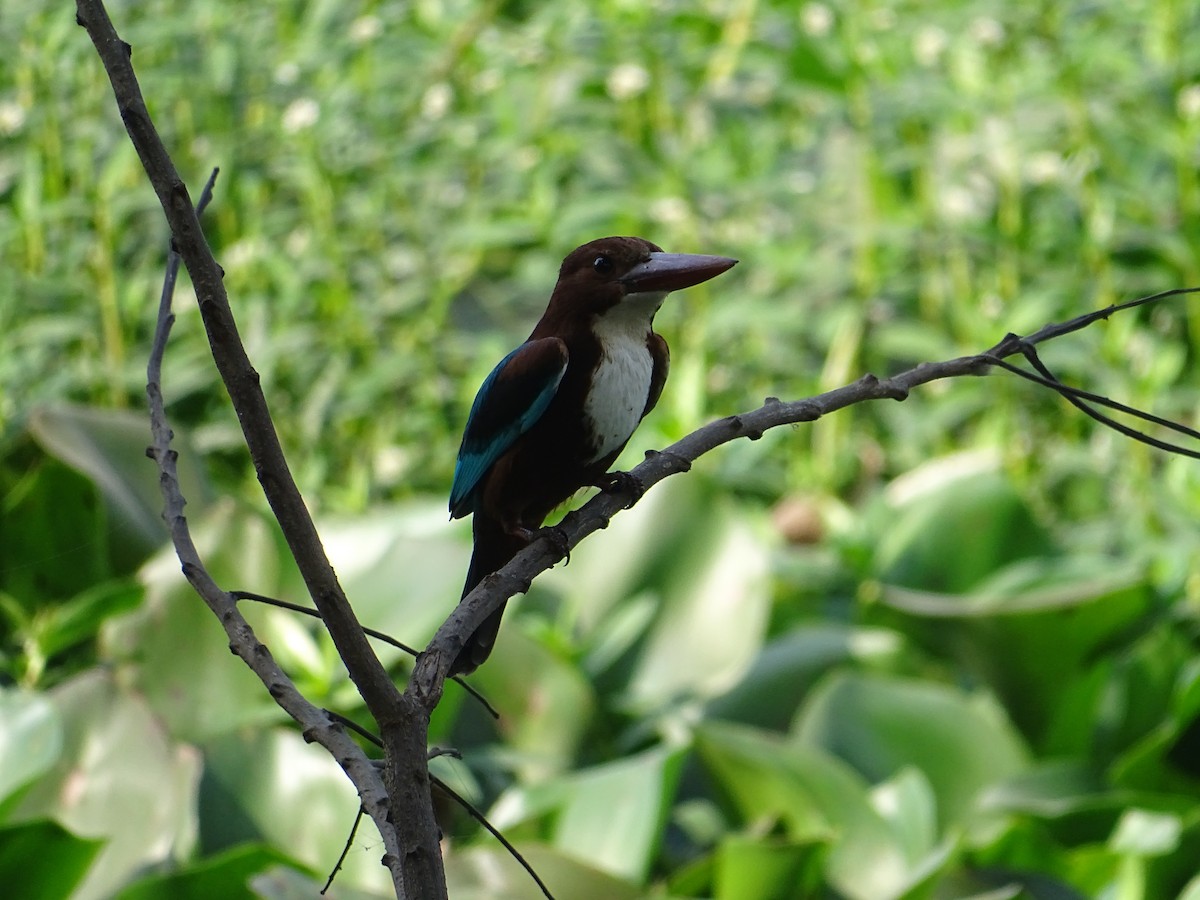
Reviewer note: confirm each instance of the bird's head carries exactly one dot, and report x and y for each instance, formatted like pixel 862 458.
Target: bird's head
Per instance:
pixel 625 276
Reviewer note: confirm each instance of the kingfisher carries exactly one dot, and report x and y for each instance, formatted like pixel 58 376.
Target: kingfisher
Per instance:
pixel 554 414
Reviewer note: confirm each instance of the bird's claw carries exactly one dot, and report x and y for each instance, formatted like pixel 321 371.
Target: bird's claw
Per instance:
pixel 558 537
pixel 622 482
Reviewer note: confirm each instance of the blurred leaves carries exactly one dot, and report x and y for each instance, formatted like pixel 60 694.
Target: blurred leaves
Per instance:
pixel 118 779
pixel 44 858
pixel 973 670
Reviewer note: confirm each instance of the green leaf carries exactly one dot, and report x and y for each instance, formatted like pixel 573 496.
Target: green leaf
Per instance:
pixel 787 667
pixel 1048 790
pixel 484 873
pixel 287 883
pixel 712 620
pixel 1143 833
pixel 401 566
pixel 773 869
pixel 227 875
pixel 814 797
pixel 31 738
pixel 810 64
pixel 52 515
pixel 545 703
pixel 118 779
pixel 173 649
pixel 80 618
pixel 963 502
pixel 45 860
pixel 1031 631
pixel 109 447
pixel 272 786
pixel 620 838
pixel 880 725
pixel 1191 891
pixel 906 802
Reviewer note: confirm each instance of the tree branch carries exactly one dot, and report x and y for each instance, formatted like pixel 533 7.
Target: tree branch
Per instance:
pixel 403 723
pixel 239 376
pixel 316 724
pixel 516 576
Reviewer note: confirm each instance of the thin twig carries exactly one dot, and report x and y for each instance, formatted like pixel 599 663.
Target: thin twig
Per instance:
pixel 472 810
pixel 494 831
pixel 1077 397
pixel 371 632
pixel 1049 332
pixel 345 851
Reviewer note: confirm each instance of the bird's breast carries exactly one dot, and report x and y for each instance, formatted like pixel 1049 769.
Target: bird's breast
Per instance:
pixel 620 386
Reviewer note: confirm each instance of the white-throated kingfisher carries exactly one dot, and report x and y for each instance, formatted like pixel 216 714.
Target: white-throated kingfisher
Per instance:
pixel 557 411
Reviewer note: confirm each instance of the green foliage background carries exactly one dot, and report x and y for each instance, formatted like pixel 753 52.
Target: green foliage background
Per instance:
pixel 937 649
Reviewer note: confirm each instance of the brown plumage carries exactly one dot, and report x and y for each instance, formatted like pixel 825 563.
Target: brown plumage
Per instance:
pixel 557 411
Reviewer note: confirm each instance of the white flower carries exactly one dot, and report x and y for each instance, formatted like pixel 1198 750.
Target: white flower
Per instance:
pixel 12 117
pixel 1188 102
pixel 816 19
pixel 437 100
pixel 627 80
pixel 300 114
pixel 929 44
pixel 364 28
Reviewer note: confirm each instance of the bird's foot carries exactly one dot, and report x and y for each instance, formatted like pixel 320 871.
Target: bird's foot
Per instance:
pixel 622 483
pixel 558 537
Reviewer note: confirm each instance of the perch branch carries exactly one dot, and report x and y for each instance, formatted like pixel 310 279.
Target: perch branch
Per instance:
pixel 540 555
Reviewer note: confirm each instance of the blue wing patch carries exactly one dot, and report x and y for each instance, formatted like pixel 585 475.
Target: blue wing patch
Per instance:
pixel 510 401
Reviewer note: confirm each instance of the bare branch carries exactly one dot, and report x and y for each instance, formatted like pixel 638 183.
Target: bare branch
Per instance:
pixel 316 723
pixel 239 376
pixel 543 553
pixel 416 868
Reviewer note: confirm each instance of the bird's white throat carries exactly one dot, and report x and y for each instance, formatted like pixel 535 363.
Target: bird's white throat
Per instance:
pixel 621 383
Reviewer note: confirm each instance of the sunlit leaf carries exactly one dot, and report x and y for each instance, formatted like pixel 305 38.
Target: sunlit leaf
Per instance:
pixel 271 786
pixel 1143 833
pixel 482 873
pixel 619 837
pixel 545 703
pixel 880 725
pixel 175 650
pixel 953 522
pixel 31 738
pixel 813 797
pixel 119 779
pixel 753 869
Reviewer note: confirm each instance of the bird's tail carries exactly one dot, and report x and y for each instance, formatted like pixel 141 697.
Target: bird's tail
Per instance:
pixel 493 548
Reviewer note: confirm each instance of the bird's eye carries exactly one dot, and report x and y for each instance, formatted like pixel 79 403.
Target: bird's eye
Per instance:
pixel 603 265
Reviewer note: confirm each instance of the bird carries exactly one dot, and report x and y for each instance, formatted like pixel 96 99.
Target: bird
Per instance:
pixel 555 413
